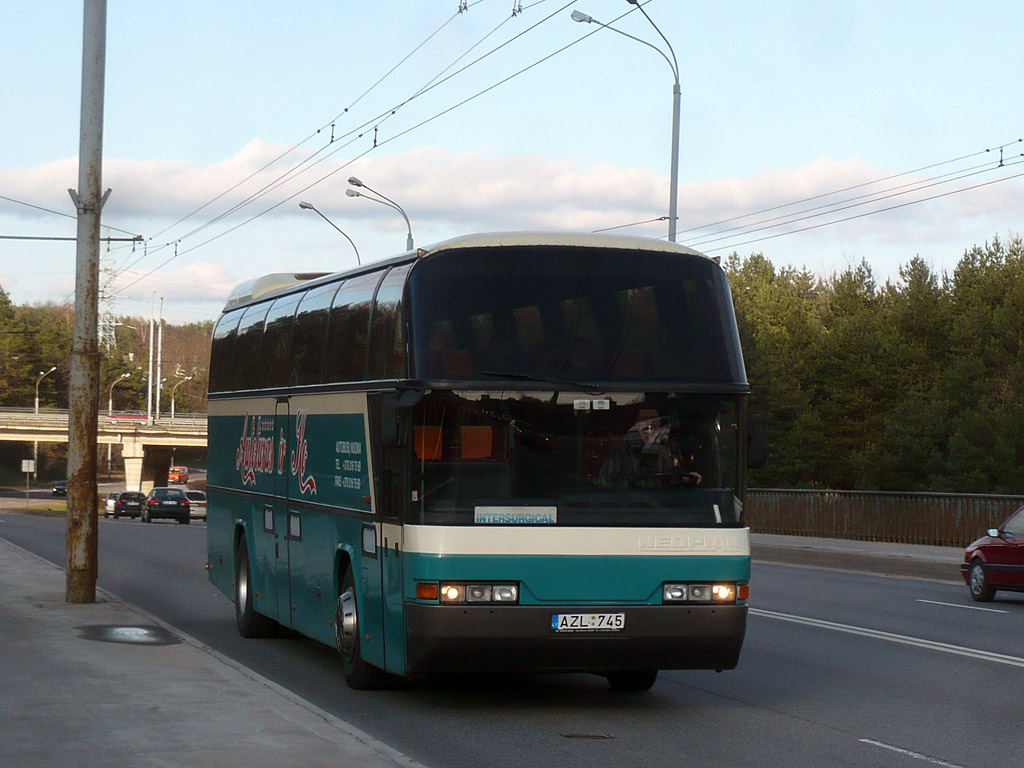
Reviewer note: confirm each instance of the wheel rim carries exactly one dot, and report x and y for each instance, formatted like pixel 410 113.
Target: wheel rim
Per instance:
pixel 977 579
pixel 242 586
pixel 346 623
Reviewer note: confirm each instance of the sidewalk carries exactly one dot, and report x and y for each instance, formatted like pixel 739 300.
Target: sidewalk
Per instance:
pixel 107 685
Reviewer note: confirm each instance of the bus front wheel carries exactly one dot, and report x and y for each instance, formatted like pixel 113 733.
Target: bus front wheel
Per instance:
pixel 358 674
pixel 633 680
pixel 250 623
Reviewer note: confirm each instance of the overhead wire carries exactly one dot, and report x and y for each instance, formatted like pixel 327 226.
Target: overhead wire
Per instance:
pixel 734 245
pixel 295 171
pixel 839 206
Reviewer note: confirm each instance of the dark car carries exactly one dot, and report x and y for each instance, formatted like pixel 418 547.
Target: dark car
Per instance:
pixel 129 504
pixel 996 560
pixel 166 503
pixel 60 488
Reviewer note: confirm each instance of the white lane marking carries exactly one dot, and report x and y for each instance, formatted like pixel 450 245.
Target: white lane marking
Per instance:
pixel 958 605
pixel 908 753
pixel 957 650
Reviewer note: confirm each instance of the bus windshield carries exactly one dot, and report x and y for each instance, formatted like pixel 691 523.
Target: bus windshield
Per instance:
pixel 607 459
pixel 571 314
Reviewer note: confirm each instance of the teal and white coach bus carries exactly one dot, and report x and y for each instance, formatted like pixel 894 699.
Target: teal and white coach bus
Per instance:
pixel 515 451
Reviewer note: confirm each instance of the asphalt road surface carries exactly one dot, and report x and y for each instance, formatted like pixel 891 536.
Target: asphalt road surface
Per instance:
pixel 838 669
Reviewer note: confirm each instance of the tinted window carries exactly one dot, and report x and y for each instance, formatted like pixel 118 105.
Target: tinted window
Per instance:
pixel 247 347
pixel 574 314
pixel 276 352
pixel 310 334
pixel 387 340
pixel 348 328
pixel 222 350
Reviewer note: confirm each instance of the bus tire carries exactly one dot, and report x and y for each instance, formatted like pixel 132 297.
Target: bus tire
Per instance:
pixel 638 680
pixel 250 623
pixel 359 674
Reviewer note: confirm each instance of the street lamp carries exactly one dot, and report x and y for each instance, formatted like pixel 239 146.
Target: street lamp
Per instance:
pixel 110 392
pixel 110 412
pixel 42 375
pixel 310 207
pixel 35 443
pixel 383 201
pixel 673 195
pixel 189 378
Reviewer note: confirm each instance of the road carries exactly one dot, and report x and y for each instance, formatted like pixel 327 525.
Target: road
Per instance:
pixel 839 669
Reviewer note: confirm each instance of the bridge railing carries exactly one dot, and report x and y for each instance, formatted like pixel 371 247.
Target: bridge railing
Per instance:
pixel 943 519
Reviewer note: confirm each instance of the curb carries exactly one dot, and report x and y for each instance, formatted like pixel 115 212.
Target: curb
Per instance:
pixel 880 565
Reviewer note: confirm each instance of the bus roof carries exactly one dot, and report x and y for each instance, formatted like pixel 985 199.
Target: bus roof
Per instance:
pixel 280 282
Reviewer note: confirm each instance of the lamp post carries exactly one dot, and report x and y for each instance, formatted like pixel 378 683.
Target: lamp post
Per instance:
pixel 673 195
pixel 175 389
pixel 35 443
pixel 110 412
pixel 383 201
pixel 310 207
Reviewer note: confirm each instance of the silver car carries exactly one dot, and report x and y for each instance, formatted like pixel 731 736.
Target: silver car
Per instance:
pixel 197 499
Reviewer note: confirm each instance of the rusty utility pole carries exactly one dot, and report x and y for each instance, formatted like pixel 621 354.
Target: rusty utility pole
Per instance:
pixel 82 524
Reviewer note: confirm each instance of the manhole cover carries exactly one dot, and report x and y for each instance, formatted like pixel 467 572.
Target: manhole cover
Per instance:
pixel 134 635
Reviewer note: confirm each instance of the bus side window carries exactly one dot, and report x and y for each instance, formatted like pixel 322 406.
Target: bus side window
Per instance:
pixel 248 347
pixel 222 351
pixel 276 352
pixel 310 334
pixel 348 328
pixel 387 340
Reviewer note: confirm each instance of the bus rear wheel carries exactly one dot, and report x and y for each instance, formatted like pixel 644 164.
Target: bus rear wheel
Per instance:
pixel 250 623
pixel 359 674
pixel 640 680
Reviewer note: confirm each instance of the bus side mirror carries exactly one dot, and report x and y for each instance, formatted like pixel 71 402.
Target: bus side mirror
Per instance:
pixel 391 406
pixel 757 443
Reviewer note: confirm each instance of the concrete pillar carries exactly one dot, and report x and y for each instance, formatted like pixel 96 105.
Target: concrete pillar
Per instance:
pixel 155 467
pixel 134 453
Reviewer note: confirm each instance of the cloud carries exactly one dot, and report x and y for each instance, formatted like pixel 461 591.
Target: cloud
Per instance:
pixel 445 193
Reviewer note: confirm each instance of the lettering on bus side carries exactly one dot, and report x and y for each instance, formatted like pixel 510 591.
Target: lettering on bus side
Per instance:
pixel 307 483
pixel 256 450
pixel 693 542
pixel 350 468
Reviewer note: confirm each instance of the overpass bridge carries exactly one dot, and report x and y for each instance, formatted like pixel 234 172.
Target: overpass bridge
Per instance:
pixel 146 447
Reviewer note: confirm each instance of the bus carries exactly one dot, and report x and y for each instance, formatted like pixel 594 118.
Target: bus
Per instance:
pixel 504 452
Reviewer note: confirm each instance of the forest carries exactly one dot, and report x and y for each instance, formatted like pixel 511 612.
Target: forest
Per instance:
pixel 913 385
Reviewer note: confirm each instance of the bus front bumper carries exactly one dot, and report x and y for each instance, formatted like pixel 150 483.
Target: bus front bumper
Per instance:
pixel 442 638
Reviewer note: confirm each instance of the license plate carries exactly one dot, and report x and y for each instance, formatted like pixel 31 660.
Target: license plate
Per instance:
pixel 588 622
pixel 170 503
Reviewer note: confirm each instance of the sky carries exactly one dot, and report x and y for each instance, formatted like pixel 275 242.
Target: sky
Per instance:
pixel 817 133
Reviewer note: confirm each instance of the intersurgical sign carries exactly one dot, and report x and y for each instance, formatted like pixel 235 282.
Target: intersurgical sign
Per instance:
pixel 260 454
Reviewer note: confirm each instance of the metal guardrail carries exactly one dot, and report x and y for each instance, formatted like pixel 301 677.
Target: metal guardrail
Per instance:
pixel 942 519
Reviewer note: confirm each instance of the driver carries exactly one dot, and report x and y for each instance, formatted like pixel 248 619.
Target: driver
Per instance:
pixel 647 457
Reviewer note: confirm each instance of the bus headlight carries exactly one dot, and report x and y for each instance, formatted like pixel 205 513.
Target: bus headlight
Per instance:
pixel 481 594
pixel 453 593
pixel 506 593
pixel 725 592
pixel 673 593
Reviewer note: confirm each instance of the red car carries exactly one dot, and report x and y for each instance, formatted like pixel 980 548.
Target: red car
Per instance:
pixel 996 560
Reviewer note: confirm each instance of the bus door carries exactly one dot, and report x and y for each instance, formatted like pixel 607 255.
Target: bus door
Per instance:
pixel 390 469
pixel 282 524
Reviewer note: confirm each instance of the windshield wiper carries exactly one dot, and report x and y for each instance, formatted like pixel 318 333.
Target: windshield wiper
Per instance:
pixel 593 389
